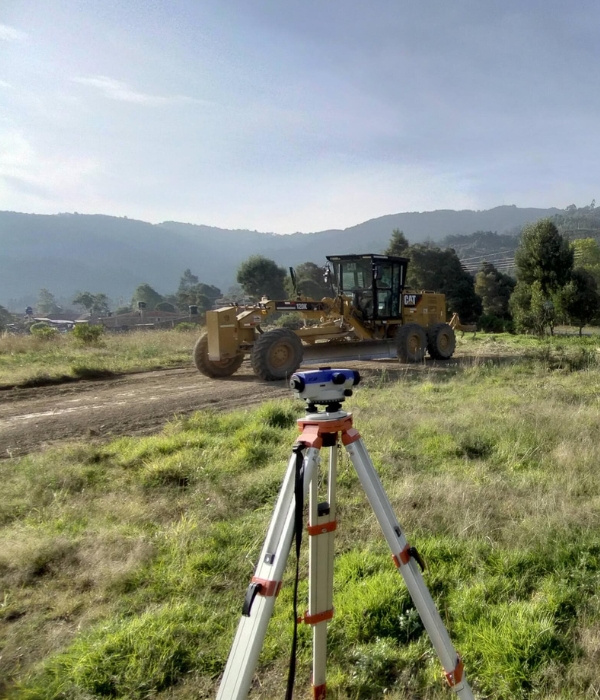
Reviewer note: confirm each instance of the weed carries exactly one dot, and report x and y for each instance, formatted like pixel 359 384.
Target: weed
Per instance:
pixel 88 335
pixel 43 331
pixel 375 667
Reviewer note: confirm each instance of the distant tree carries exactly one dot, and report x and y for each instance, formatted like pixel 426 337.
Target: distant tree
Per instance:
pixel 201 295
pixel 123 310
pixel 101 305
pixel 309 281
pixel 203 303
pixel 520 308
pixel 587 256
pixel 579 300
pixel 574 221
pixel 85 299
pixel 234 292
pixel 96 304
pixel 398 244
pixel 46 303
pixel 439 270
pixel 544 256
pixel 165 306
pixel 209 290
pixel 260 277
pixel 494 288
pixel 535 311
pixel 144 292
pixel 586 252
pixel 187 281
pixel 171 299
pixel 5 317
pixel 544 265
pixel 481 243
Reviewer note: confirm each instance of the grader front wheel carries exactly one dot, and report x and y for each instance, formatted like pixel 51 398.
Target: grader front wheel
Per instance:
pixel 276 354
pixel 208 368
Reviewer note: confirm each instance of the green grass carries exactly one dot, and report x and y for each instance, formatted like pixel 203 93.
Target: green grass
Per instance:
pixel 32 361
pixel 123 566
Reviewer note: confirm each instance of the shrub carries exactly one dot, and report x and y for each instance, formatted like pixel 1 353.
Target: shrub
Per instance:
pixel 43 330
pixel 491 324
pixel 292 321
pixel 88 335
pixel 186 326
pixel 165 306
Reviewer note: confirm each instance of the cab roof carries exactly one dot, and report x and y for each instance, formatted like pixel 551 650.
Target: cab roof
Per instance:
pixel 366 256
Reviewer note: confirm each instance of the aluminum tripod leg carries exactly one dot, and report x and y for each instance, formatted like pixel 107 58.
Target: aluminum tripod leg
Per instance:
pixel 321 530
pixel 260 598
pixel 404 557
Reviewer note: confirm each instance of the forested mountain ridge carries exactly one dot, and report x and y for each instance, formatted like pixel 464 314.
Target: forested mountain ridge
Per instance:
pixel 69 252
pixel 583 222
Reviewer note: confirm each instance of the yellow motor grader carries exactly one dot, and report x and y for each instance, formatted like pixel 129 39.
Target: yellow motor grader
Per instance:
pixel 370 314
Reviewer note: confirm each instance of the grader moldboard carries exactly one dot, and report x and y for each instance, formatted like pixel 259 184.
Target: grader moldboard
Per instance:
pixel 369 315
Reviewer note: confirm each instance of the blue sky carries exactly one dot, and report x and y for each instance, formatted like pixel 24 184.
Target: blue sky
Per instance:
pixel 283 115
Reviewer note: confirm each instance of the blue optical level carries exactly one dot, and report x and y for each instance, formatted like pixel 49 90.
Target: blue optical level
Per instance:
pixel 325 386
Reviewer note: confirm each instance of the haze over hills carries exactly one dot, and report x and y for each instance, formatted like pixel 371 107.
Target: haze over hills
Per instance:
pixel 69 252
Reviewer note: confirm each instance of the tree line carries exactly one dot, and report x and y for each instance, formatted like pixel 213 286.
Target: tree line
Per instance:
pixel 556 281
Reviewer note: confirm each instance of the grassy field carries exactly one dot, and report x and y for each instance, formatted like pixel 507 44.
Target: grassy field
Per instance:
pixel 123 566
pixel 30 360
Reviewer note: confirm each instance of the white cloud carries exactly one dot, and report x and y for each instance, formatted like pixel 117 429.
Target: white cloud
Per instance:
pixel 11 33
pixel 5 86
pixel 29 177
pixel 118 90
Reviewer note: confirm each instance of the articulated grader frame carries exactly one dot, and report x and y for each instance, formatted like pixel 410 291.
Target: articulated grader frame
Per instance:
pixel 369 311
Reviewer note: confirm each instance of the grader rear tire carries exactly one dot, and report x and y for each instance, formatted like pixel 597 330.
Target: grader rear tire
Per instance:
pixel 208 368
pixel 441 341
pixel 276 354
pixel 411 343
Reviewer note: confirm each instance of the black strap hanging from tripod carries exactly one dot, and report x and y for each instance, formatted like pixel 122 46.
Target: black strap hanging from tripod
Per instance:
pixel 299 507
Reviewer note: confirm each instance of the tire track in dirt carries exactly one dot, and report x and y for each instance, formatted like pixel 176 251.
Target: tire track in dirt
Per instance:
pixel 142 403
pixel 130 404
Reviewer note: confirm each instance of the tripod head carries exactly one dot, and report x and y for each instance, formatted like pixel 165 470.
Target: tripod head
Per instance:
pixel 324 387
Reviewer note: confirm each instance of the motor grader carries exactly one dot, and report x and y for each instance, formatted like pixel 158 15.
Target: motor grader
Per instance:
pixel 369 314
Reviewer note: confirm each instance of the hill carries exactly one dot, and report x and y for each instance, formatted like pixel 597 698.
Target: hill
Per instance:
pixel 69 252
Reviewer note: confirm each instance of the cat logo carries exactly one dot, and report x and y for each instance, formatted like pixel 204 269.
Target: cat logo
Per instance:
pixel 411 299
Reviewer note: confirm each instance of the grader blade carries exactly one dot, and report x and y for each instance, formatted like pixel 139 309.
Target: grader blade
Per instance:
pixel 324 353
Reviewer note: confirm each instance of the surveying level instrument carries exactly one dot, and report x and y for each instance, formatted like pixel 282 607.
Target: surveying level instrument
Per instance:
pixel 329 388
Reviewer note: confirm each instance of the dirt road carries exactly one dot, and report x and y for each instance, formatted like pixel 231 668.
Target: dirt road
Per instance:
pixel 137 404
pixel 130 404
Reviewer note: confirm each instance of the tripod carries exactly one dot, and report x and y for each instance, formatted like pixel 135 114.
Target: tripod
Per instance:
pixel 324 430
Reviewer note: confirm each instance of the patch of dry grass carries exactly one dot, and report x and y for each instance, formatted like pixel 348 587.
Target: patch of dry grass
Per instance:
pixel 30 359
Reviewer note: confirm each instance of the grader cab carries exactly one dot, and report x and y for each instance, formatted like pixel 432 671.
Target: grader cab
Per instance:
pixel 369 309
